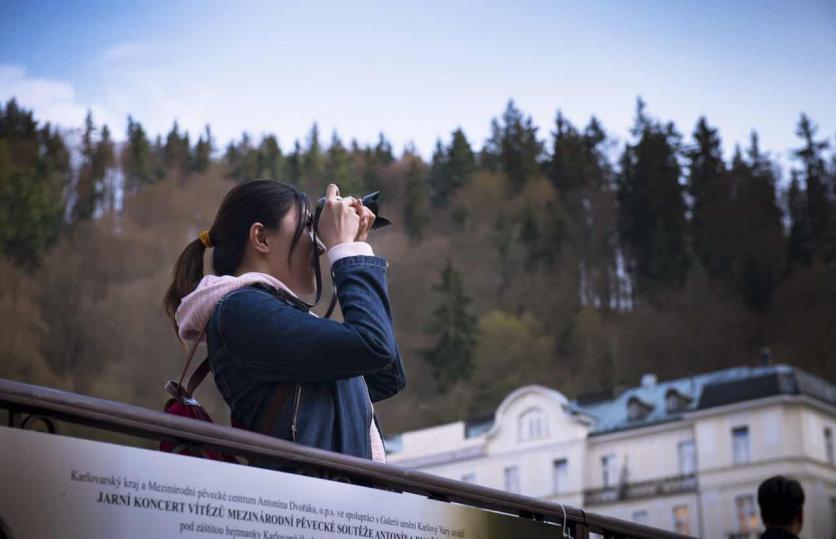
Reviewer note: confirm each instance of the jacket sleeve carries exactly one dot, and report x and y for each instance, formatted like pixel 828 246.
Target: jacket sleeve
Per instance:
pixel 283 344
pixel 387 382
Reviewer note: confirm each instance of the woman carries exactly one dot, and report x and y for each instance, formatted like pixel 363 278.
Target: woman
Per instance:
pixel 281 370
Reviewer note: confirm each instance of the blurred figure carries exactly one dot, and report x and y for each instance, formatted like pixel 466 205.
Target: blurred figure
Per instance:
pixel 782 507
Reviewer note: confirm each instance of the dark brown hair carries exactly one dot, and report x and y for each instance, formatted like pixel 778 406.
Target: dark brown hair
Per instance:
pixel 781 500
pixel 263 201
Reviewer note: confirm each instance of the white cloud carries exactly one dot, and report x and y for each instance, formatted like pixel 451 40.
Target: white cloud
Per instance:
pixel 51 100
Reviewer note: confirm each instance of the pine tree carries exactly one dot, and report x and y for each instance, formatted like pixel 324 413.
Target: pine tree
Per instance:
pixel 437 178
pixel 455 331
pixel 415 205
pixel 271 162
pixel 34 173
pixel 821 207
pixel 461 163
pixel 651 207
pixel 294 165
pixel 519 148
pixel 579 169
pixel 799 243
pixel 491 155
pixel 383 151
pixel 176 151
pixel 710 193
pixel 88 189
pixel 242 159
pixel 137 159
pixel 452 168
pixel 756 229
pixel 202 154
pixel 339 168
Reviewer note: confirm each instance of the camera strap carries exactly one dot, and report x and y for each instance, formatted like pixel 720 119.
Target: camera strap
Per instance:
pixel 318 273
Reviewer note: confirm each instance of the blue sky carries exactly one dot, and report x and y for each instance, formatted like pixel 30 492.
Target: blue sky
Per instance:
pixel 417 70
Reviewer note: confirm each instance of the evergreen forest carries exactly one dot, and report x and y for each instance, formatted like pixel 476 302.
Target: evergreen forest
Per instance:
pixel 550 255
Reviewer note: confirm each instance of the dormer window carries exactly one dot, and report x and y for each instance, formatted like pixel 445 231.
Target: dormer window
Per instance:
pixel 675 401
pixel 532 425
pixel 636 409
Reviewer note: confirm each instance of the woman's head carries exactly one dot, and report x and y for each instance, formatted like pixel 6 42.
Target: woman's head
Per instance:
pixel 261 225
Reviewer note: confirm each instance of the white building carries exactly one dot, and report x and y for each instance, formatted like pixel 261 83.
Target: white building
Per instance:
pixel 685 455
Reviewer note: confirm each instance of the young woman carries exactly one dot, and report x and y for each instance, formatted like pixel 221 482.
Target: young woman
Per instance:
pixel 313 380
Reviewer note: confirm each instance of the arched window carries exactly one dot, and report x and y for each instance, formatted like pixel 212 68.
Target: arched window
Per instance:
pixel 532 425
pixel 636 409
pixel 675 401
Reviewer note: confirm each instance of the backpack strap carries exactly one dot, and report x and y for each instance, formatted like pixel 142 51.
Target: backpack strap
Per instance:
pixel 198 376
pixel 191 356
pixel 176 389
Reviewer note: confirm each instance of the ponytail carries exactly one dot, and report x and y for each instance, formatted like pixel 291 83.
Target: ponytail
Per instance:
pixel 263 201
pixel 188 271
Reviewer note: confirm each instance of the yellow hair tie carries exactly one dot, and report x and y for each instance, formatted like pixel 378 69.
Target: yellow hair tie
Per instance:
pixel 204 238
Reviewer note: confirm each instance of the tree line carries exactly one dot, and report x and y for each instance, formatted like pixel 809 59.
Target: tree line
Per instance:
pixel 545 252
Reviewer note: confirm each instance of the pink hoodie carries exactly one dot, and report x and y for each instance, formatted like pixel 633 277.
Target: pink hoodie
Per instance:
pixel 196 308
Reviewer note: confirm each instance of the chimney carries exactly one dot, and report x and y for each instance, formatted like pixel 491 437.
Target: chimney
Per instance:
pixel 648 380
pixel 766 356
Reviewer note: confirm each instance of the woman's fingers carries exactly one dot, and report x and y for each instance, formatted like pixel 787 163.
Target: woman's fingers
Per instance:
pixel 366 221
pixel 339 221
pixel 332 192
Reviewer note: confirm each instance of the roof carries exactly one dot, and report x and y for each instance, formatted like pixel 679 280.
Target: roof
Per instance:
pixel 703 391
pixel 697 392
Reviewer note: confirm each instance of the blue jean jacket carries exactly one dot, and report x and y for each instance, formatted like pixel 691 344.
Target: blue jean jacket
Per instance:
pixel 257 341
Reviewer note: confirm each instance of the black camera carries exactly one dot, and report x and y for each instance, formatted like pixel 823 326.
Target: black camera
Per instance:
pixel 369 201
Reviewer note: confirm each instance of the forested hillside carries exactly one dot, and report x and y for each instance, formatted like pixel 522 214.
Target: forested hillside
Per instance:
pixel 531 257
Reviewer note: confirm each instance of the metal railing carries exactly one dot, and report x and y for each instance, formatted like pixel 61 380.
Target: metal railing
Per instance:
pixel 27 403
pixel 677 484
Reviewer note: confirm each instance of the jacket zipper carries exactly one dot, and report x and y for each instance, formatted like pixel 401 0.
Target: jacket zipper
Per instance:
pixel 369 421
pixel 298 399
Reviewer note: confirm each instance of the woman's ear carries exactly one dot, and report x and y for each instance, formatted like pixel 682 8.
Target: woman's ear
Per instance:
pixel 258 238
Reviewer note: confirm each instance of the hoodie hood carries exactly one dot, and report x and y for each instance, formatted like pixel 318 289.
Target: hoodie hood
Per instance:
pixel 195 309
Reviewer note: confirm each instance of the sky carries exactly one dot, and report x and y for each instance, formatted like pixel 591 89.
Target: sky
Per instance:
pixel 416 70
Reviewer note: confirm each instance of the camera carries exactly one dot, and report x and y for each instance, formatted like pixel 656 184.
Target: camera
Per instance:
pixel 369 201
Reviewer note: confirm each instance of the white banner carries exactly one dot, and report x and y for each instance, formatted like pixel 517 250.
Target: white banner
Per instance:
pixel 56 486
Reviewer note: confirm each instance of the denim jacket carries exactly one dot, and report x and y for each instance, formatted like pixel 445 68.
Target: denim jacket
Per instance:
pixel 257 341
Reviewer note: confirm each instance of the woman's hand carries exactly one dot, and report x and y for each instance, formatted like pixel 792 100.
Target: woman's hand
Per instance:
pixel 367 218
pixel 339 221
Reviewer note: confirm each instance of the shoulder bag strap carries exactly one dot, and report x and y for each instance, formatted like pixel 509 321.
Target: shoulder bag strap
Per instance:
pixel 193 386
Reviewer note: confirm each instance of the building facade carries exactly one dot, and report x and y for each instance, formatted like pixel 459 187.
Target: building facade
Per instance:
pixel 685 455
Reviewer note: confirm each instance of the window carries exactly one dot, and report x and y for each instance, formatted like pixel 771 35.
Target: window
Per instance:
pixel 512 479
pixel 532 425
pixel 681 520
pixel 740 445
pixel 828 445
pixel 687 458
pixel 469 478
pixel 675 401
pixel 561 476
pixel 636 409
pixel 747 518
pixel 608 470
pixel 640 517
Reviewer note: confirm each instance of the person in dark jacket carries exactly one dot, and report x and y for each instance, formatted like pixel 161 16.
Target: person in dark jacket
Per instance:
pixel 782 507
pixel 282 370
